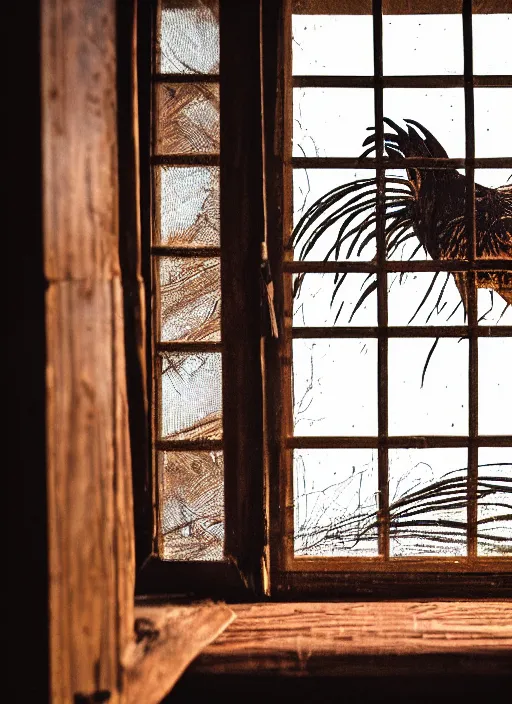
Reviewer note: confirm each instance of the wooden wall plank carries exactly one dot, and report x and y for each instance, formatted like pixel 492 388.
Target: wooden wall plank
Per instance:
pixel 91 559
pixel 79 138
pixel 80 487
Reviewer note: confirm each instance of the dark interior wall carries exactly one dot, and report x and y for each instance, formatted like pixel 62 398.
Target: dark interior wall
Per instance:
pixel 343 690
pixel 24 404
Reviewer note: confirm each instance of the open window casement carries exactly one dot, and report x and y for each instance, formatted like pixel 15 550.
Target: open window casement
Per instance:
pixel 339 412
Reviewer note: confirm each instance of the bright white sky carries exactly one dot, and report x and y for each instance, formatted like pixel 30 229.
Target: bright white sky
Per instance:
pixel 336 380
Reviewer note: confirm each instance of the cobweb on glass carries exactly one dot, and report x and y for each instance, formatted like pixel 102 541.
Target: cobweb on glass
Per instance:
pixel 188 119
pixel 191 505
pixel 191 396
pixel 314 304
pixel 189 206
pixel 335 503
pixel 189 299
pixel 335 387
pixel 189 36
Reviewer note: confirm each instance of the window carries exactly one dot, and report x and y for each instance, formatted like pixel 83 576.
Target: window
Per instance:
pixel 372 436
pixel 187 290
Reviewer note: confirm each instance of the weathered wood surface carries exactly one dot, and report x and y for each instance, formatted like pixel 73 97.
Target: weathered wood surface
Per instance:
pixel 397 7
pixel 88 450
pixel 364 638
pixel 168 639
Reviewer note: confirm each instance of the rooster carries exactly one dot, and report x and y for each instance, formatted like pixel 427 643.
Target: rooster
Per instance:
pixel 428 205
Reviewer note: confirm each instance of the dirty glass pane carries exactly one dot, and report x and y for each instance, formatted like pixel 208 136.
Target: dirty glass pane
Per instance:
pixel 428 502
pixel 188 205
pixel 494 178
pixel 188 118
pixel 420 298
pixel 331 121
pixel 492 308
pixel 491 44
pixel 191 486
pixel 191 396
pixel 335 387
pixel 493 108
pixel 189 299
pixel 189 36
pixel 315 36
pixel 494 501
pixel 440 110
pixel 428 386
pixel 354 302
pixel 408 41
pixel 329 199
pixel 495 386
pixel 335 503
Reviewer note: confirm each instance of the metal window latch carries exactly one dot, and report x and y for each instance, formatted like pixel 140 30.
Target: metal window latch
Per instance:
pixel 269 289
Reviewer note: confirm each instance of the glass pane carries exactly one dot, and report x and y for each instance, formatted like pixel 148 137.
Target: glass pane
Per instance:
pixel 189 299
pixel 492 309
pixel 428 502
pixel 354 301
pixel 420 298
pixel 495 501
pixel 335 387
pixel 191 497
pixel 428 386
pixel 191 396
pixel 493 108
pixel 335 502
pixel 189 36
pixel 491 44
pixel 334 214
pixel 494 178
pixel 331 121
pixel 189 205
pixel 408 41
pixel 495 386
pixel 440 110
pixel 187 118
pixel 316 36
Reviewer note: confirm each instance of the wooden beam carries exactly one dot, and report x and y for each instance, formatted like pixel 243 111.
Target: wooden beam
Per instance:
pixel 369 638
pixel 88 450
pixel 397 7
pixel 168 638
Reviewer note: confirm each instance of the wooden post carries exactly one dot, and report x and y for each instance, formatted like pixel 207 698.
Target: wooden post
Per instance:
pixel 88 449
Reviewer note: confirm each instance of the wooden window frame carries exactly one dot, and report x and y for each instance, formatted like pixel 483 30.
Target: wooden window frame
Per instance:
pixel 239 575
pixel 257 499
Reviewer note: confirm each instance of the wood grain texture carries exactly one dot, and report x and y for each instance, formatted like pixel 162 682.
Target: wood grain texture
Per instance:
pixel 79 139
pixel 88 448
pixel 397 7
pixel 364 638
pixel 168 639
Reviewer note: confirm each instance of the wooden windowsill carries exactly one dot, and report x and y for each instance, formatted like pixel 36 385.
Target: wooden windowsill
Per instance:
pixel 213 642
pixel 363 638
